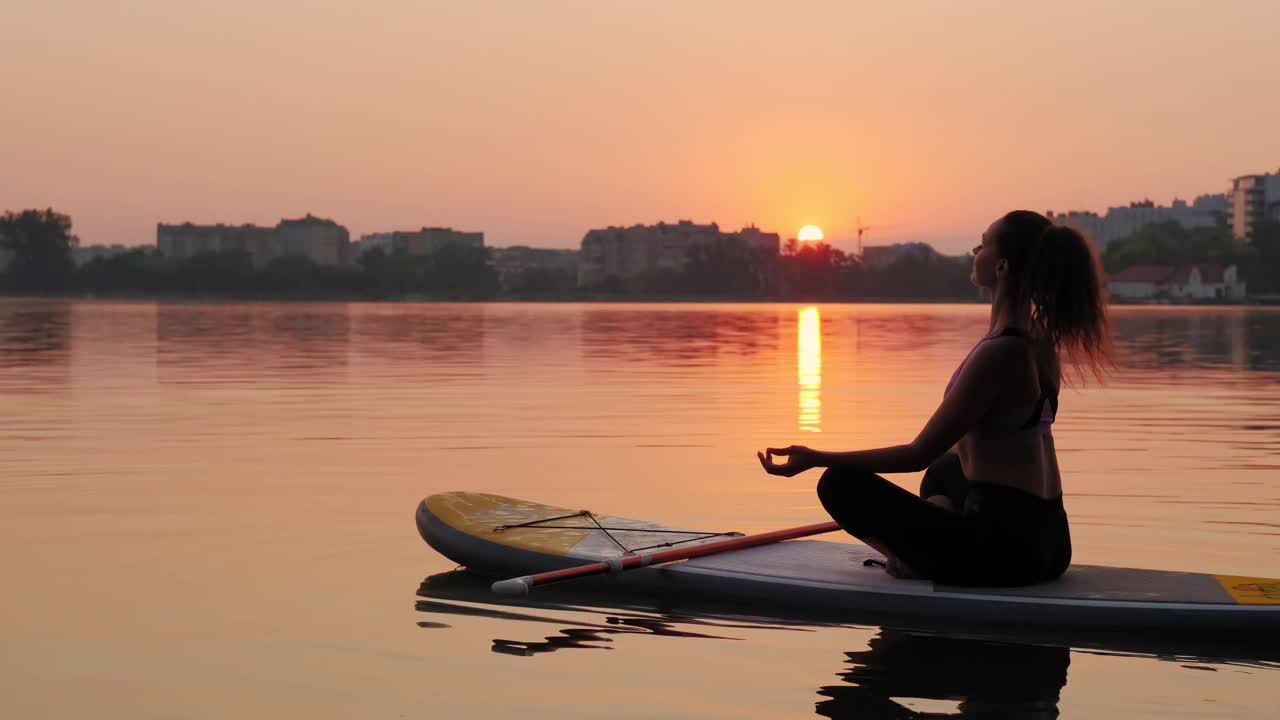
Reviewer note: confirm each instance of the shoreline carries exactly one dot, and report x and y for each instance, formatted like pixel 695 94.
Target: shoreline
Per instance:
pixel 595 299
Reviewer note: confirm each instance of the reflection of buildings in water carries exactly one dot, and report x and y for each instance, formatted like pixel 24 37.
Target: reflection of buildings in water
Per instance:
pixel 1261 340
pixel 215 343
pixel 1212 339
pixel 976 678
pixel 430 337
pixel 911 331
pixel 515 332
pixel 30 332
pixel 1239 341
pixel 665 337
pixel 1235 339
pixel 35 345
pixel 312 338
pixel 115 344
pixel 809 368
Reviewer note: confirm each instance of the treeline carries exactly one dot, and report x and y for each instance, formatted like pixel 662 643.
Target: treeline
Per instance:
pixel 36 245
pixel 452 273
pixel 39 244
pixel 1169 243
pixel 809 271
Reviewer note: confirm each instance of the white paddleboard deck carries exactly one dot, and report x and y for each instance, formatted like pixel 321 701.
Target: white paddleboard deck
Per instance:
pixel 491 533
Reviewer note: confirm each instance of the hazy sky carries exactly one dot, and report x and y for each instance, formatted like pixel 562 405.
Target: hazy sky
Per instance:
pixel 535 121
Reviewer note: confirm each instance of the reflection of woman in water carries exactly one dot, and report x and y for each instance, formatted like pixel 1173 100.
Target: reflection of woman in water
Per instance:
pixel 988 679
pixel 991 509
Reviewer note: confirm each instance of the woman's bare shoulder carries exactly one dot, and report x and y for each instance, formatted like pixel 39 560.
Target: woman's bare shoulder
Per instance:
pixel 1005 352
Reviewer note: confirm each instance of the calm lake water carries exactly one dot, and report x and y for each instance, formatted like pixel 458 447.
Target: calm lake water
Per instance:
pixel 207 509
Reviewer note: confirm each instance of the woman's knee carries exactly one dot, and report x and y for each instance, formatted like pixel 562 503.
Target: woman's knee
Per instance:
pixel 838 488
pixel 839 493
pixel 842 488
pixel 829 486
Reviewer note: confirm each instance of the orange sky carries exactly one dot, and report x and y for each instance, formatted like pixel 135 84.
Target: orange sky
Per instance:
pixel 534 121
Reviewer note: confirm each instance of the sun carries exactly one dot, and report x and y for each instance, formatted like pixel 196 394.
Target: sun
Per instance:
pixel 809 232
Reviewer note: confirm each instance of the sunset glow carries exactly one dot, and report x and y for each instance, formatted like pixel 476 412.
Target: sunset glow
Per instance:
pixel 567 120
pixel 767 288
pixel 810 233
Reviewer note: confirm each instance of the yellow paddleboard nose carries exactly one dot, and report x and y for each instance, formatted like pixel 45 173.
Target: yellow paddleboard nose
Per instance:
pixel 1251 590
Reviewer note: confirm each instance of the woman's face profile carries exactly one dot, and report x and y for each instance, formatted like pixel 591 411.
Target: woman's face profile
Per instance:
pixel 984 273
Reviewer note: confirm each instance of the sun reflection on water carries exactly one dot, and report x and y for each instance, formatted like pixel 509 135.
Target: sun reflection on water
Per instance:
pixel 809 368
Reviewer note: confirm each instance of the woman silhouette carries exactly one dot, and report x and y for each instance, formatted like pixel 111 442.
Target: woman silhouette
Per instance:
pixel 990 508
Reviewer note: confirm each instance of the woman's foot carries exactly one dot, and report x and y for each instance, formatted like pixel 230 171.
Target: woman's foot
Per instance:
pixel 891 563
pixel 899 569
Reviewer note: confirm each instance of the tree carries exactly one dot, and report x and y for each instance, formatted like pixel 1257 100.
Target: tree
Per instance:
pixel 542 283
pixel 39 243
pixel 726 266
pixel 292 276
pixel 815 271
pixel 462 272
pixel 216 273
pixel 923 277
pixel 1169 243
pixel 1263 274
pixel 394 274
pixel 135 271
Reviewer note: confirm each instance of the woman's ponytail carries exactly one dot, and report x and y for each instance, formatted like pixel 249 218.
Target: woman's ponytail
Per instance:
pixel 1068 296
pixel 1057 271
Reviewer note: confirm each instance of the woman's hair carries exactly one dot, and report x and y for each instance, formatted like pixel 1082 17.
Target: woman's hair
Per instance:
pixel 1057 271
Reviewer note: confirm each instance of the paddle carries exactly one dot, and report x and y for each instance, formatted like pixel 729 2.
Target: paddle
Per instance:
pixel 522 585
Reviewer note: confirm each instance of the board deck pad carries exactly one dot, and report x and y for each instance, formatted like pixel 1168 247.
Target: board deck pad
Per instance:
pixel 491 517
pixel 836 562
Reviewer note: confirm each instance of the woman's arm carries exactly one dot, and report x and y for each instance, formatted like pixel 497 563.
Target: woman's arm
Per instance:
pixel 893 459
pixel 975 390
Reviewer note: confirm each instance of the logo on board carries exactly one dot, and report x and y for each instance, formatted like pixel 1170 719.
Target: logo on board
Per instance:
pixel 1251 591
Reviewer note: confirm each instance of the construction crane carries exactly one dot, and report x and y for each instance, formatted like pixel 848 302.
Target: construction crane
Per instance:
pixel 863 228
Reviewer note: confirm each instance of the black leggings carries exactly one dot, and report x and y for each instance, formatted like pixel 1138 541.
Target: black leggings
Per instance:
pixel 996 536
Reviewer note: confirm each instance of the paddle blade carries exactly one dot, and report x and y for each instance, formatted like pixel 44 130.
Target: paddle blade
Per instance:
pixel 518 587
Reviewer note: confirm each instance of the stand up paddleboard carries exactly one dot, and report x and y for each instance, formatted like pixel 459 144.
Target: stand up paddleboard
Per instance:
pixel 505 536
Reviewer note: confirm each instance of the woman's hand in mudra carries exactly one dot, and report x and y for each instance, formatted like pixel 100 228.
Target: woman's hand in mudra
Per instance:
pixel 799 458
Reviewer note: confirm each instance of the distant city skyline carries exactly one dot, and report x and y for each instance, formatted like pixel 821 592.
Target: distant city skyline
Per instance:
pixel 536 122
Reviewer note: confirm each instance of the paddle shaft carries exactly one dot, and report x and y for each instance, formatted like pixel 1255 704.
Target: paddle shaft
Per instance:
pixel 522 585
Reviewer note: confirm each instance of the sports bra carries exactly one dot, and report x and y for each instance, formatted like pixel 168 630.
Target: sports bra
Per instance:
pixel 1039 416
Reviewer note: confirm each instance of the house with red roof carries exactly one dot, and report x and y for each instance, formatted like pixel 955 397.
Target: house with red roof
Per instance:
pixel 1204 281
